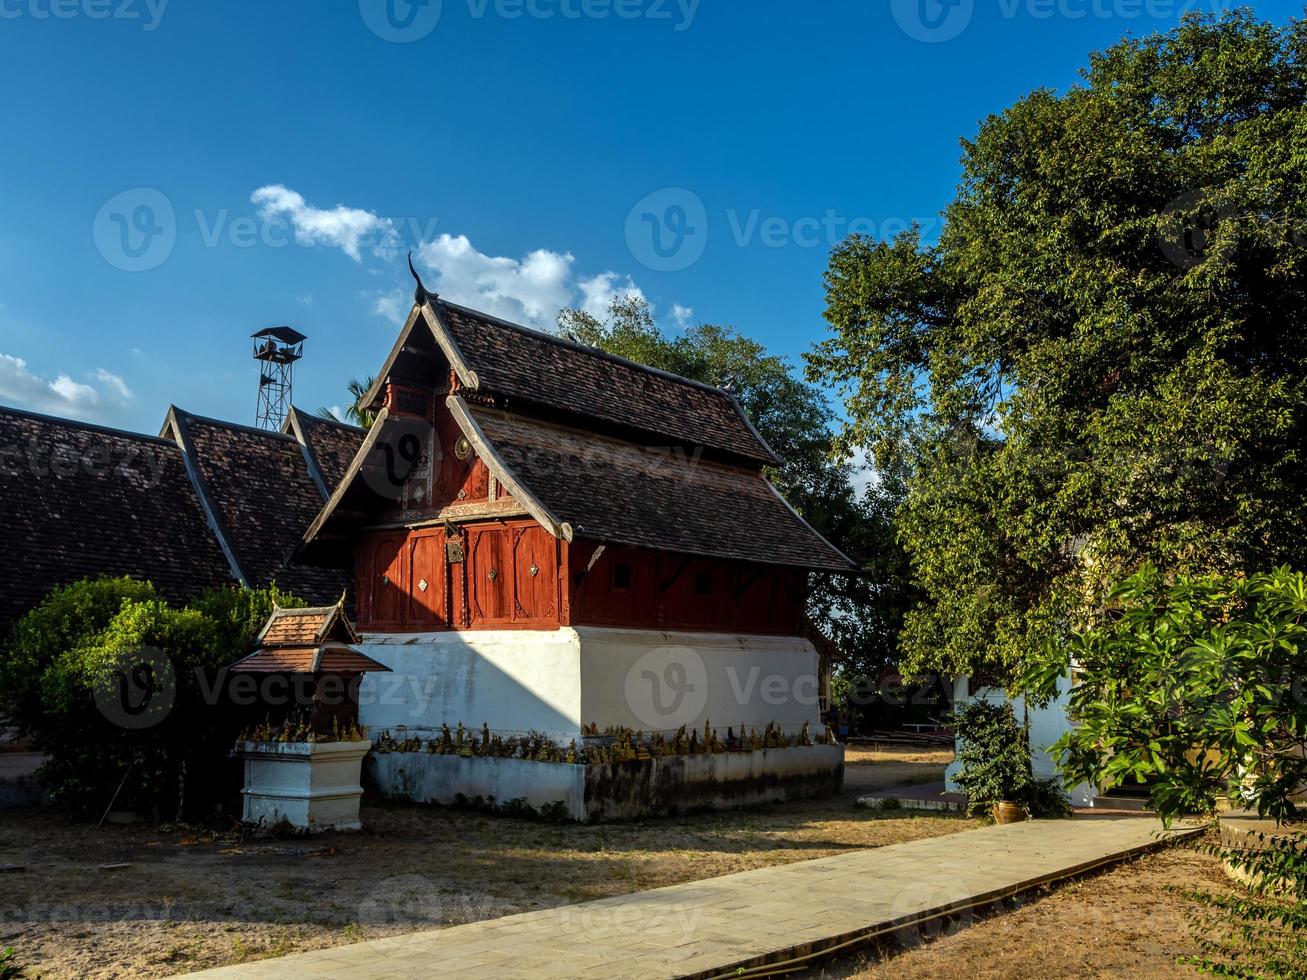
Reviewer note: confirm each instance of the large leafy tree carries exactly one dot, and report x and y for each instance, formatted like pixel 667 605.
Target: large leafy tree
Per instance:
pixel 1102 360
pixel 863 614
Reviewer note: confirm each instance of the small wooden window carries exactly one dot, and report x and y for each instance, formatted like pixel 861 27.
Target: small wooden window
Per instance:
pixel 621 576
pixel 703 583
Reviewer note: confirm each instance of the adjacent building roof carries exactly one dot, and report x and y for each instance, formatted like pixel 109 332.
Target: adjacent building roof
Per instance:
pixel 207 503
pixel 329 446
pixel 259 490
pixel 530 368
pixel 81 501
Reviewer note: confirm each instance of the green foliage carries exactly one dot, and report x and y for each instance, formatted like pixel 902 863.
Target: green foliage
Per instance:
pixel 124 689
pixel 1103 359
pixel 994 755
pixel 66 619
pixel 1196 686
pixel 1262 932
pixel 9 969
pixel 863 615
pixel 355 413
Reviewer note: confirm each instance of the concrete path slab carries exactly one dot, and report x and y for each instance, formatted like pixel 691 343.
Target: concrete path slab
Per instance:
pixel 721 925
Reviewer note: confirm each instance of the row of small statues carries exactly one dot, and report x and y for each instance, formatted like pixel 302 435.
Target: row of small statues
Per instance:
pixel 618 745
pixel 298 729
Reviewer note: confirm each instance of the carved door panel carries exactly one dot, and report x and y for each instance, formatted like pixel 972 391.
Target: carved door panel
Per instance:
pixel 489 576
pixel 388 580
pixel 535 578
pixel 427 575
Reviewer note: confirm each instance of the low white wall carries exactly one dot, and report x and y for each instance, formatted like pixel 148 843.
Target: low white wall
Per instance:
pixel 426 778
pixel 1047 725
pixel 615 790
pixel 556 681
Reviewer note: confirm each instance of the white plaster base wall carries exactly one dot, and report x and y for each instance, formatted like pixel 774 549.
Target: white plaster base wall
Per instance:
pixel 312 786
pixel 616 790
pixel 425 778
pixel 1047 725
pixel 556 681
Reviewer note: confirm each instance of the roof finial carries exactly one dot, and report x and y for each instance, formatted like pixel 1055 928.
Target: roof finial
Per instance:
pixel 422 294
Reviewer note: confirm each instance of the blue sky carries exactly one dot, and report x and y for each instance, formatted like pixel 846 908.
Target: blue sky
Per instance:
pixel 175 175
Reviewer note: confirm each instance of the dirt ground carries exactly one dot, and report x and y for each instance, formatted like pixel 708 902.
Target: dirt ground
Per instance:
pixel 1127 921
pixel 149 902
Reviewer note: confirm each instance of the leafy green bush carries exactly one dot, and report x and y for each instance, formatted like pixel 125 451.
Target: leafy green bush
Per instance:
pixel 68 618
pixel 1196 687
pixel 994 754
pixel 126 693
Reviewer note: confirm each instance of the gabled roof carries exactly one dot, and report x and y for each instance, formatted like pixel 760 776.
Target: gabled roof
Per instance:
pixel 80 501
pixel 307 625
pixel 620 492
pixel 260 494
pixel 527 367
pixel 589 445
pixel 308 641
pixel 329 446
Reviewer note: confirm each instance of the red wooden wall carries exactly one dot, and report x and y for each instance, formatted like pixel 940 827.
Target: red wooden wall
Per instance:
pixel 515 575
pixel 508 578
pixel 512 574
pixel 661 590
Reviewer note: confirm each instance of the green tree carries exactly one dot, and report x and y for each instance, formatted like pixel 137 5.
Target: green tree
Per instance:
pixel 125 692
pixel 862 614
pixel 355 412
pixel 1102 360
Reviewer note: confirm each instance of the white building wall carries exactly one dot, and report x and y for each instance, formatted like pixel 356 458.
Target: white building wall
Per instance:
pixel 556 681
pixel 511 680
pixel 1047 725
pixel 655 681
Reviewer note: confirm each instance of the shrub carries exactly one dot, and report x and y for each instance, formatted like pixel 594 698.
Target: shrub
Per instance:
pixel 994 755
pixel 132 703
pixel 68 618
pixel 1194 686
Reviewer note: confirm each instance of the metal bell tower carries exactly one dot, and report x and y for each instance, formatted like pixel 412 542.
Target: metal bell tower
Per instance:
pixel 276 349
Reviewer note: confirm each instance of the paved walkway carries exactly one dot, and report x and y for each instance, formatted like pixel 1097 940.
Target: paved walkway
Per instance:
pixel 714 927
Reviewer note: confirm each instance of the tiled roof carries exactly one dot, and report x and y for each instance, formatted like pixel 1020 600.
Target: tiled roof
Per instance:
pixel 79 501
pixel 262 496
pixel 528 366
pixel 327 659
pixel 332 444
pixel 621 492
pixel 308 625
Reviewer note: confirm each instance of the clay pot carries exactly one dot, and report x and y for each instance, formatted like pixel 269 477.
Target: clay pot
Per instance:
pixel 1009 812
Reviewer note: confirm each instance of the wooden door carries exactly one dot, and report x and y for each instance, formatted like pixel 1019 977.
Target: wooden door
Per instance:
pixel 489 576
pixel 389 581
pixel 535 575
pixel 428 592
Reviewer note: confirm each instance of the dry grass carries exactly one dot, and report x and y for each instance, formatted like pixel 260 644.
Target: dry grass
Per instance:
pixel 1128 921
pixel 187 901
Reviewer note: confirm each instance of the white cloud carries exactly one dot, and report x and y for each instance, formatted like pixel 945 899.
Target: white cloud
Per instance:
pixel 114 383
pixel 530 290
pixel 62 396
pixel 598 292
pixel 348 229
pixel 864 474
pixel 682 315
pixel 393 306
